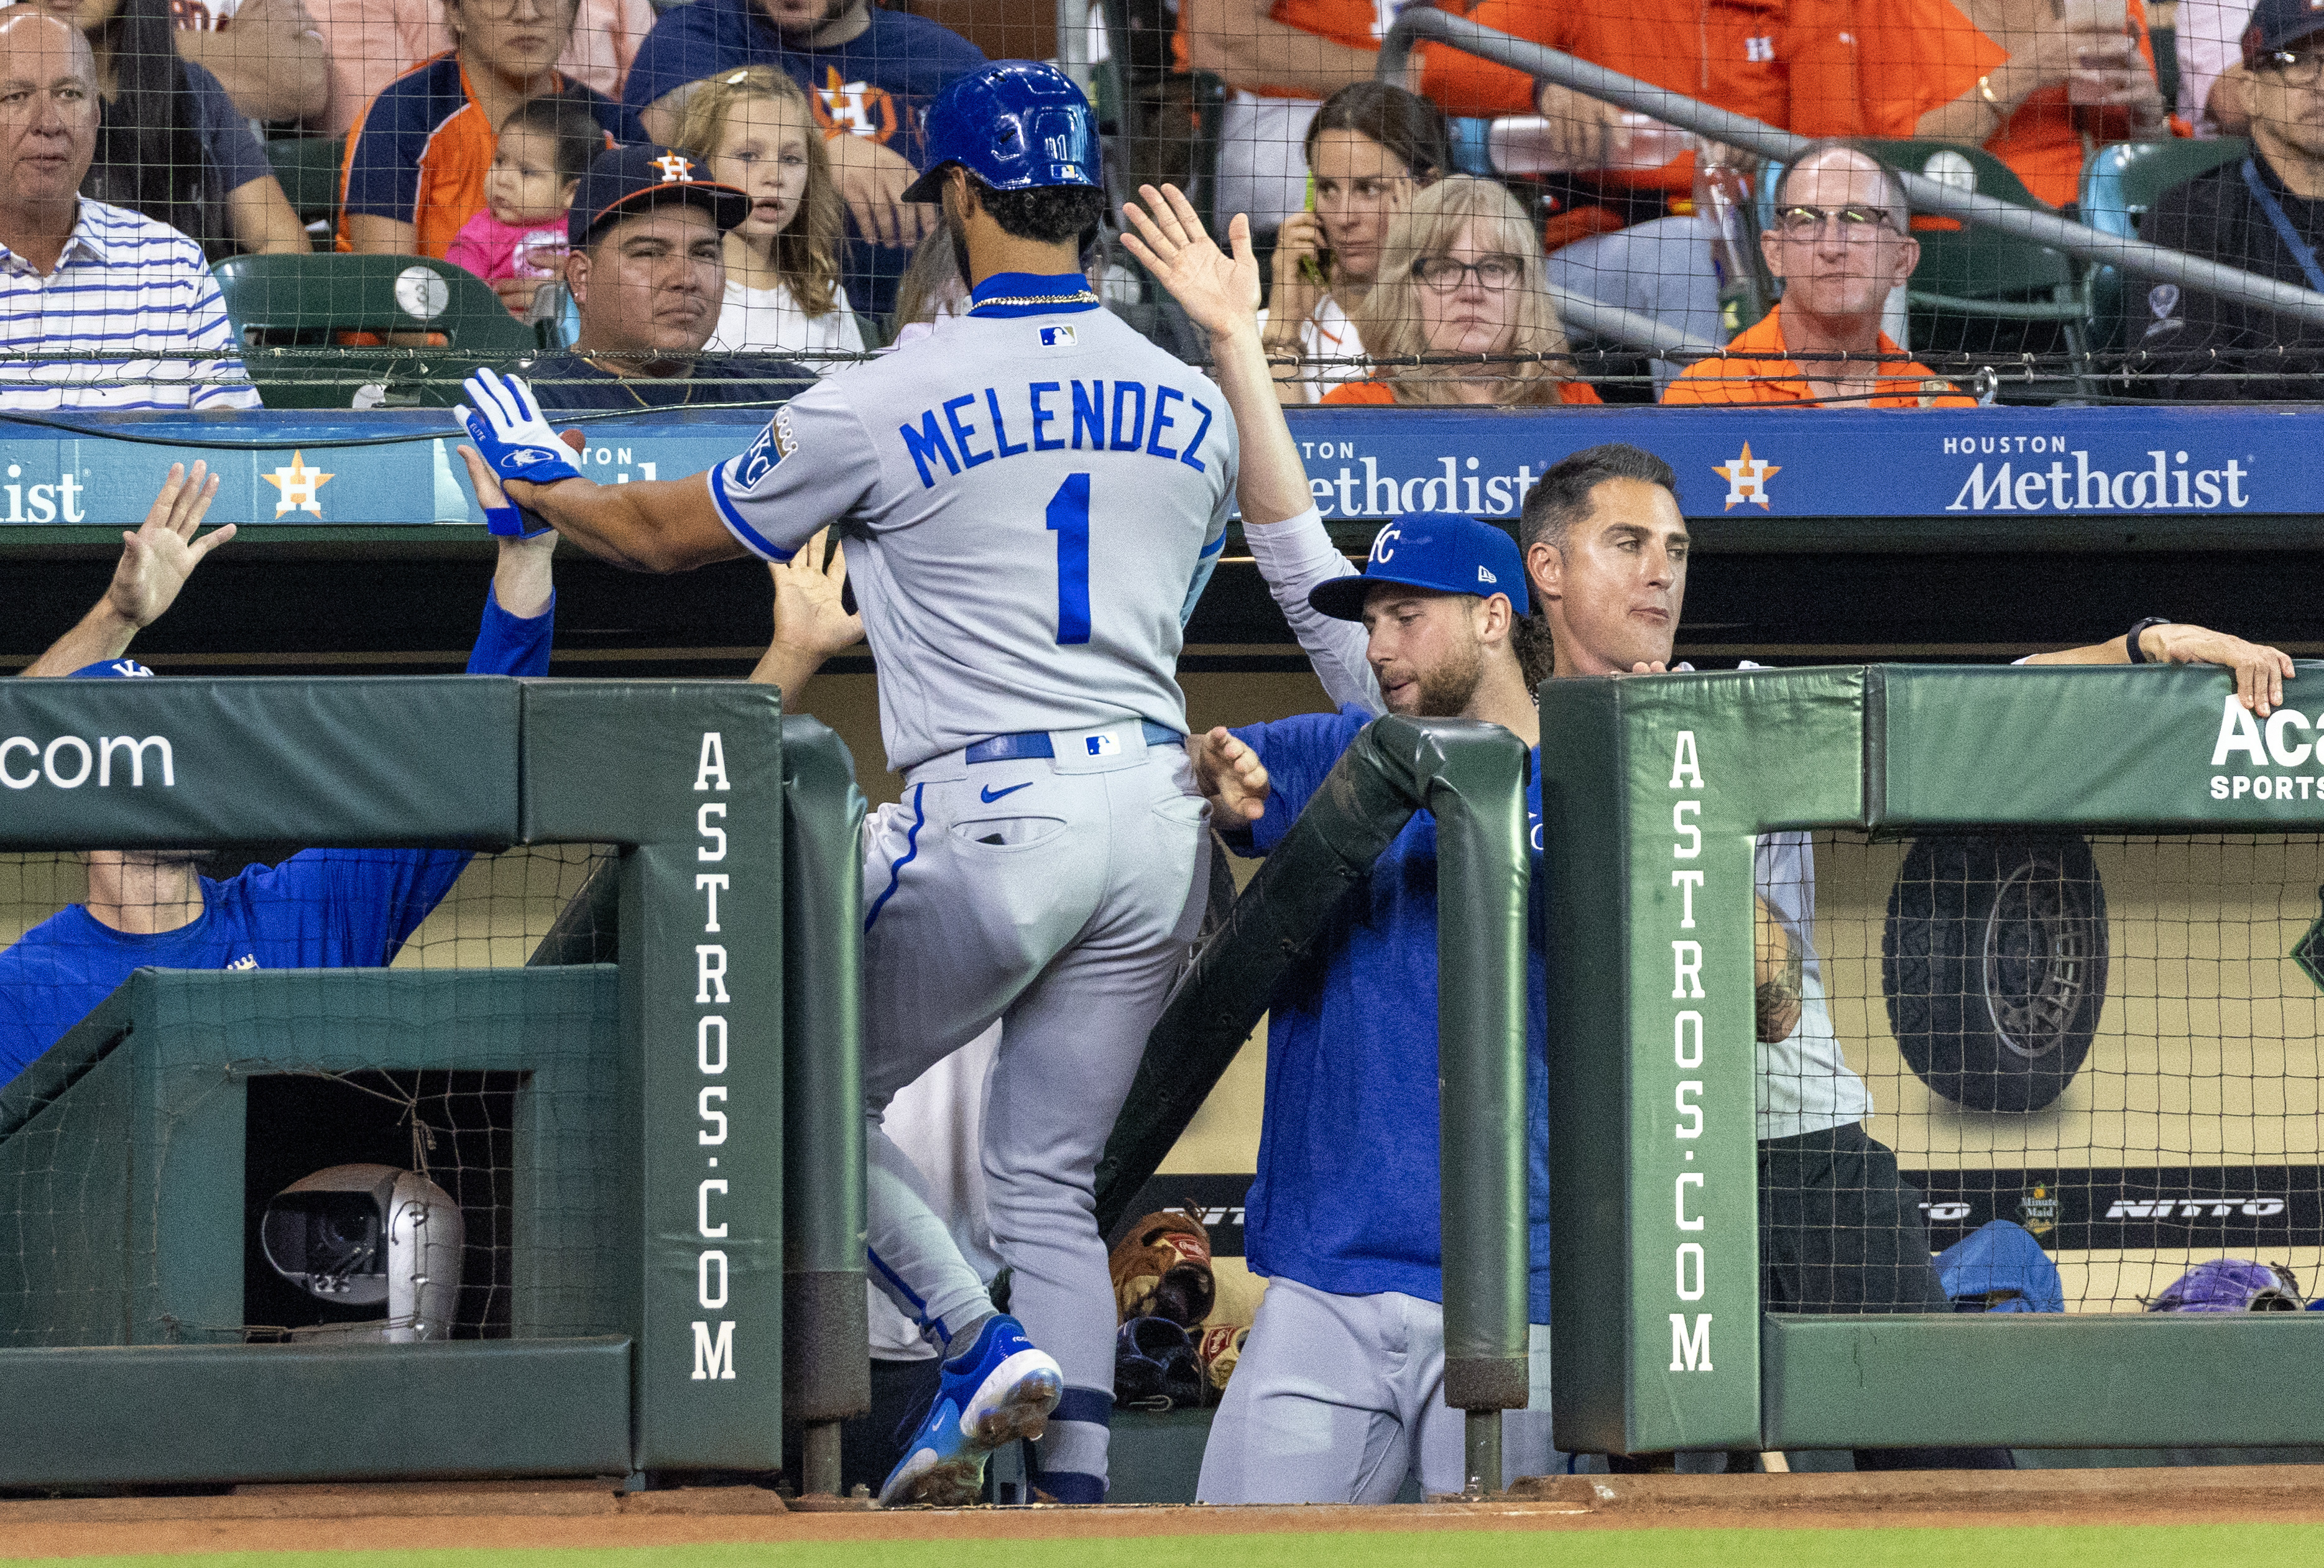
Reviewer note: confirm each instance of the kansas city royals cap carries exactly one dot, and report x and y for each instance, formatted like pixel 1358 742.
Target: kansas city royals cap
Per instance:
pixel 2275 24
pixel 628 181
pixel 112 669
pixel 1443 550
pixel 1015 124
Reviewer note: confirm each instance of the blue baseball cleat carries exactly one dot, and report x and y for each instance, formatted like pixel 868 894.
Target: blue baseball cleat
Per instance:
pixel 1000 1391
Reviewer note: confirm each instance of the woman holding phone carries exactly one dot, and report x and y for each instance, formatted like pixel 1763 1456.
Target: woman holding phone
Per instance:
pixel 1370 148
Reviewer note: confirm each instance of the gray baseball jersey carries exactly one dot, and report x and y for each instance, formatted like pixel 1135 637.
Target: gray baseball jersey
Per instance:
pixel 1031 501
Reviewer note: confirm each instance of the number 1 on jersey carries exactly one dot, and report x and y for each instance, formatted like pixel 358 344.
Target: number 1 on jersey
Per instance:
pixel 1069 515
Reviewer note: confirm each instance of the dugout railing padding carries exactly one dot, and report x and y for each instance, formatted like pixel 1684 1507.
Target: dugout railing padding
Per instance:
pixel 689 781
pixel 1471 777
pixel 1653 794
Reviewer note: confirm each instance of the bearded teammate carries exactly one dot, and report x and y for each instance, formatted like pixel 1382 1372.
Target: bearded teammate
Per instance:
pixel 1031 500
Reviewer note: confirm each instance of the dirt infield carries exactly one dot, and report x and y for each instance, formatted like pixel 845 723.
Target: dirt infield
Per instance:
pixel 499 1516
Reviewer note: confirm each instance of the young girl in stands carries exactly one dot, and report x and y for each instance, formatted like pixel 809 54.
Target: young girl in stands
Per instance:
pixel 517 243
pixel 783 294
pixel 1464 275
pixel 1370 148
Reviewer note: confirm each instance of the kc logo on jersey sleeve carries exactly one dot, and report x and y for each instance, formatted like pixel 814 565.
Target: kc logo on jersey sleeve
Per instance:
pixel 775 443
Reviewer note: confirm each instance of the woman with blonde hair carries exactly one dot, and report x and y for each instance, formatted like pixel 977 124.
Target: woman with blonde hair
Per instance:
pixel 756 129
pixel 1463 275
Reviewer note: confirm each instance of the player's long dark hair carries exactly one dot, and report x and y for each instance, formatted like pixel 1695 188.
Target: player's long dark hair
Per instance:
pixel 147 155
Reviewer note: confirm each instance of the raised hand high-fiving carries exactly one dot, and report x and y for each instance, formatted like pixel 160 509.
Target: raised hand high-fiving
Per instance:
pixel 161 553
pixel 1217 292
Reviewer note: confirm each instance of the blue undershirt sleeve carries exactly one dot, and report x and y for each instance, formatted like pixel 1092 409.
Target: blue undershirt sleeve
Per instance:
pixel 508 644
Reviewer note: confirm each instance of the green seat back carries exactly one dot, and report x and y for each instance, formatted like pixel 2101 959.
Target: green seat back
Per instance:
pixel 2120 184
pixel 1970 263
pixel 291 315
pixel 307 170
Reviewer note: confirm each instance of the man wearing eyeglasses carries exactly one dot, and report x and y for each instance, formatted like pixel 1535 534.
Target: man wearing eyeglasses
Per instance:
pixel 1842 240
pixel 2264 213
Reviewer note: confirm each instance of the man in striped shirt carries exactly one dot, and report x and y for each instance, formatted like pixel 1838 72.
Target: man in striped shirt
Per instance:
pixel 126 306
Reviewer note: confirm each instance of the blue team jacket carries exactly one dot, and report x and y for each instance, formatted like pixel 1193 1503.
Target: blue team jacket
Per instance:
pixel 322 908
pixel 1347 1195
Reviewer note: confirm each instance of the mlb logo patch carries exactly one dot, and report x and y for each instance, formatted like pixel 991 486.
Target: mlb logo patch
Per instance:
pixel 1102 745
pixel 1056 338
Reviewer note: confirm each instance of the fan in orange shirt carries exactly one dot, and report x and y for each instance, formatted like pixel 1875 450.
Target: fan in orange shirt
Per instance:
pixel 1817 68
pixel 1464 276
pixel 1280 59
pixel 1840 243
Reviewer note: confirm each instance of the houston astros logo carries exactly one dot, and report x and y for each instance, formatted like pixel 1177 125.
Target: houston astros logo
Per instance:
pixel 298 484
pixel 1746 479
pixel 859 108
pixel 673 167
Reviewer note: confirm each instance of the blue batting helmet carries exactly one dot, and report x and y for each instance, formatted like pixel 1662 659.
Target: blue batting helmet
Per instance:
pixel 1015 125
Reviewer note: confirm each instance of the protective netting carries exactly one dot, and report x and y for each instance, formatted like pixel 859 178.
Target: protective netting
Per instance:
pixel 2110 1042
pixel 1488 236
pixel 418 1152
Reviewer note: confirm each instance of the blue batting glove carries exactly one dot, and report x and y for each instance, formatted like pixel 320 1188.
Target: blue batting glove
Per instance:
pixel 508 522
pixel 513 440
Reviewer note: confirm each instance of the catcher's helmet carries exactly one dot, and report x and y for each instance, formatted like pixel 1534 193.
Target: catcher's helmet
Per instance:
pixel 1015 124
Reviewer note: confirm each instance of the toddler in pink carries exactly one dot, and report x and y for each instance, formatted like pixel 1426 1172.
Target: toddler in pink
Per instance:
pixel 518 241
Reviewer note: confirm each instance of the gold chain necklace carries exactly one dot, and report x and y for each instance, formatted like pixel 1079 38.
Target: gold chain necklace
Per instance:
pixel 1085 298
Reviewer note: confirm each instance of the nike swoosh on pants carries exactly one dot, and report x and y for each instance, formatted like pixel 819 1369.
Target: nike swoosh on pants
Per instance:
pixel 989 794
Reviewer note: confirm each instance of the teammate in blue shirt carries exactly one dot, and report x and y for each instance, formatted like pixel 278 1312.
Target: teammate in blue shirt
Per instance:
pixel 1338 1394
pixel 320 908
pixel 870 73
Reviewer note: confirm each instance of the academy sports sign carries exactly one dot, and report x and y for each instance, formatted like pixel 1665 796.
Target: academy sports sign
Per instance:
pixel 2011 469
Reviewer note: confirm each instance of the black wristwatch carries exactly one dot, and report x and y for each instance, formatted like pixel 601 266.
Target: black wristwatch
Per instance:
pixel 2137 631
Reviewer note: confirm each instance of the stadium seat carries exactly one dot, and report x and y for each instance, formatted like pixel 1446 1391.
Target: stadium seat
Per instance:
pixel 308 168
pixel 2024 297
pixel 445 322
pixel 2120 183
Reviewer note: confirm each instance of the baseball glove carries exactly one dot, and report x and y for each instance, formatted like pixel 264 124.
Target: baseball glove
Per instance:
pixel 1220 1347
pixel 1162 1269
pixel 1155 1367
pixel 2231 1285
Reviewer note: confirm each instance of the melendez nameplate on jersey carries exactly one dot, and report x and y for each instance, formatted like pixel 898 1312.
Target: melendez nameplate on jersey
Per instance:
pixel 1049 416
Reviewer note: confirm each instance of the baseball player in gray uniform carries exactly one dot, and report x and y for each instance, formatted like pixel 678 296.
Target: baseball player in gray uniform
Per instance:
pixel 1031 500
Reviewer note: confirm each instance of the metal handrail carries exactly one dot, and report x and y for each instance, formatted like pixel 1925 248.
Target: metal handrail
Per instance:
pixel 1596 318
pixel 1926 195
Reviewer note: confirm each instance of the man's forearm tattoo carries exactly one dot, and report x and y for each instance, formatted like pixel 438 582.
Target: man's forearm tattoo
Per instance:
pixel 1778 998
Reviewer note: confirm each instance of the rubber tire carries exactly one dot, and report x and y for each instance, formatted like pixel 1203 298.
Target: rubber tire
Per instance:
pixel 1980 1013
